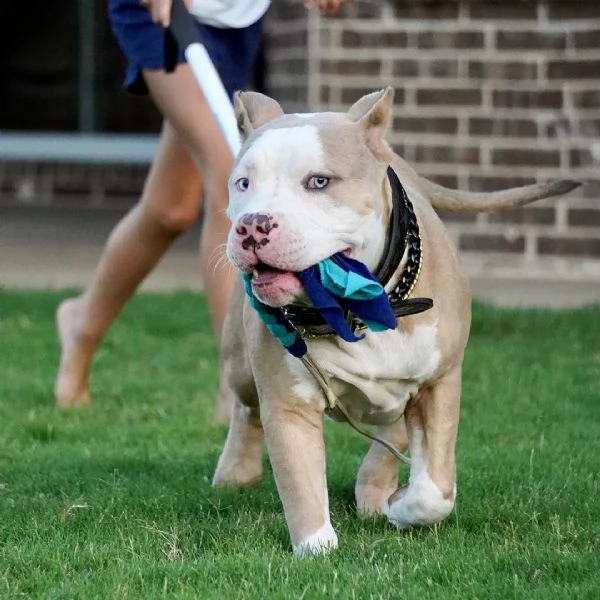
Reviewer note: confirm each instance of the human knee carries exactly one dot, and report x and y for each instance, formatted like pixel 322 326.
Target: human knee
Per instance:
pixel 174 219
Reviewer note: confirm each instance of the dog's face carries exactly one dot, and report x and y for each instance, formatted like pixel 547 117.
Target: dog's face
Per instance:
pixel 305 187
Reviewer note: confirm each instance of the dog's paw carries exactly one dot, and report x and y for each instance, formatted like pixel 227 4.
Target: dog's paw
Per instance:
pixel 239 474
pixel 319 543
pixel 420 503
pixel 371 500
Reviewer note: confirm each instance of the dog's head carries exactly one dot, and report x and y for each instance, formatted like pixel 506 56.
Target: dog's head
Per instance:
pixel 305 187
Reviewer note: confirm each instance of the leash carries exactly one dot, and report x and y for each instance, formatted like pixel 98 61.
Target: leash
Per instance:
pixel 334 404
pixel 182 33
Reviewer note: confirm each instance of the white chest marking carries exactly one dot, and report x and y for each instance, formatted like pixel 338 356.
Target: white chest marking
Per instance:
pixel 376 376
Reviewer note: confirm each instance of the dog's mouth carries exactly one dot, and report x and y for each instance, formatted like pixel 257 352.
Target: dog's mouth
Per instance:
pixel 278 287
pixel 273 286
pixel 264 274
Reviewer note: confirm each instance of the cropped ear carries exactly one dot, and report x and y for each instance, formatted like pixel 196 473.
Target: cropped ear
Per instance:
pixel 373 113
pixel 253 110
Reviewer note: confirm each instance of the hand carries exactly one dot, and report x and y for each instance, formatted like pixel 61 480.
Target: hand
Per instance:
pixel 161 10
pixel 327 8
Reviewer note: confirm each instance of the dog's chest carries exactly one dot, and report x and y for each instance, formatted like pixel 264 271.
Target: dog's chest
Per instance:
pixel 375 377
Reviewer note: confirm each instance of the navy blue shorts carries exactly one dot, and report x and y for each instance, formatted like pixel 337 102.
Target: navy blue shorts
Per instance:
pixel 232 51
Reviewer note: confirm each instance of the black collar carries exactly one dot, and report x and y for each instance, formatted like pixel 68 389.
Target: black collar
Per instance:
pixel 402 237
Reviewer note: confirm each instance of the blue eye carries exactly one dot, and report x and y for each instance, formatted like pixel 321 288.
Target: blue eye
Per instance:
pixel 242 184
pixel 317 182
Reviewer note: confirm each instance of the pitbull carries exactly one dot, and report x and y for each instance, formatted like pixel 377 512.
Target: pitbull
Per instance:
pixel 304 187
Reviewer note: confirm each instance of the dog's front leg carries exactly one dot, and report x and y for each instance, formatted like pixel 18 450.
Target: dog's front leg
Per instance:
pixel 432 424
pixel 377 477
pixel 294 437
pixel 240 463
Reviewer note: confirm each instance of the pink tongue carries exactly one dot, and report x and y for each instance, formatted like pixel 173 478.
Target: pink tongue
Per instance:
pixel 266 277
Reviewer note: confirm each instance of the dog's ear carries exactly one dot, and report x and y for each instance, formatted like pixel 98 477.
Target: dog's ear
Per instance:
pixel 373 112
pixel 253 110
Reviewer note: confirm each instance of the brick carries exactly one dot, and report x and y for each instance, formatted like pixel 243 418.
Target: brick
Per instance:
pixel 491 243
pixel 586 98
pixel 430 10
pixel 586 40
pixel 574 9
pixel 439 68
pixel 493 183
pixel 456 217
pixel 583 157
pixel 399 149
pixel 562 127
pixel 447 154
pixel 289 94
pixel 351 67
pixel 406 68
pixel 502 70
pixel 502 127
pixel 363 39
pixel 590 188
pixel 584 217
pixel 502 10
pixel 363 9
pixel 289 39
pixel 586 128
pixel 351 94
pixel 524 216
pixel 569 246
pixel 450 39
pixel 531 40
pixel 290 11
pixel 449 181
pixel 425 124
pixel 454 97
pixel 296 66
pixel 526 157
pixel 573 69
pixel 528 98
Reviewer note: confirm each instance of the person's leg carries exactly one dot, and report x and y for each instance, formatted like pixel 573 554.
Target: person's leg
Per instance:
pixel 169 204
pixel 214 161
pixel 193 119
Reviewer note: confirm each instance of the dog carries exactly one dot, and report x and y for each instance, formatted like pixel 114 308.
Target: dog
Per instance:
pixel 305 187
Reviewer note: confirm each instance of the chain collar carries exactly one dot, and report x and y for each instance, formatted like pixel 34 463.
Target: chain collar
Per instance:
pixel 402 238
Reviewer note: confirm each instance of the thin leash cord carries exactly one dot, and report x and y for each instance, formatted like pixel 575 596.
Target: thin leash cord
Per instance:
pixel 334 403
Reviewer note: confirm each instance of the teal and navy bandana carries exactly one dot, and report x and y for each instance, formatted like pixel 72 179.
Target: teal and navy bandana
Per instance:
pixel 335 286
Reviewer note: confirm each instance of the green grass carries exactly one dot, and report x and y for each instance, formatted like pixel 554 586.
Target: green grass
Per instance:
pixel 114 500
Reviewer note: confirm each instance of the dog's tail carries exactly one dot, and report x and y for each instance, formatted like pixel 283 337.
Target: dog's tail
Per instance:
pixel 457 201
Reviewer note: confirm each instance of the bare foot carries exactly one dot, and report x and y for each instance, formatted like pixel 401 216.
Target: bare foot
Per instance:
pixel 71 386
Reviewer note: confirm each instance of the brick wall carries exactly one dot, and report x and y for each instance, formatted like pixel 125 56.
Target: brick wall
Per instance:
pixel 488 95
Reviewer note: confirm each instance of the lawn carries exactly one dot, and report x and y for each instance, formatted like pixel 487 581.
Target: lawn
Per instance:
pixel 114 500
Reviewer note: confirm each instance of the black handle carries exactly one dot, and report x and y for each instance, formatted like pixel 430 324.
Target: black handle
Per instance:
pixel 181 33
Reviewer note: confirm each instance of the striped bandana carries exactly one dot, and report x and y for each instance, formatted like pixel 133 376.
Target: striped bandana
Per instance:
pixel 335 286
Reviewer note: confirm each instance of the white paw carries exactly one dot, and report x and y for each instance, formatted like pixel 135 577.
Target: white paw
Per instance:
pixel 321 542
pixel 421 504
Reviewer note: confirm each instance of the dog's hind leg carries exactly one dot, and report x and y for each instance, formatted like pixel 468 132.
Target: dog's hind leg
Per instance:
pixel 240 463
pixel 294 436
pixel 432 424
pixel 377 477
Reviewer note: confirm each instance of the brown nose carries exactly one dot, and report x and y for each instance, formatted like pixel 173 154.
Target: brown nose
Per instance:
pixel 254 229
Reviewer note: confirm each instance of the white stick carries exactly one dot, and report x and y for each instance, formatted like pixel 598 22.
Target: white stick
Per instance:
pixel 210 83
